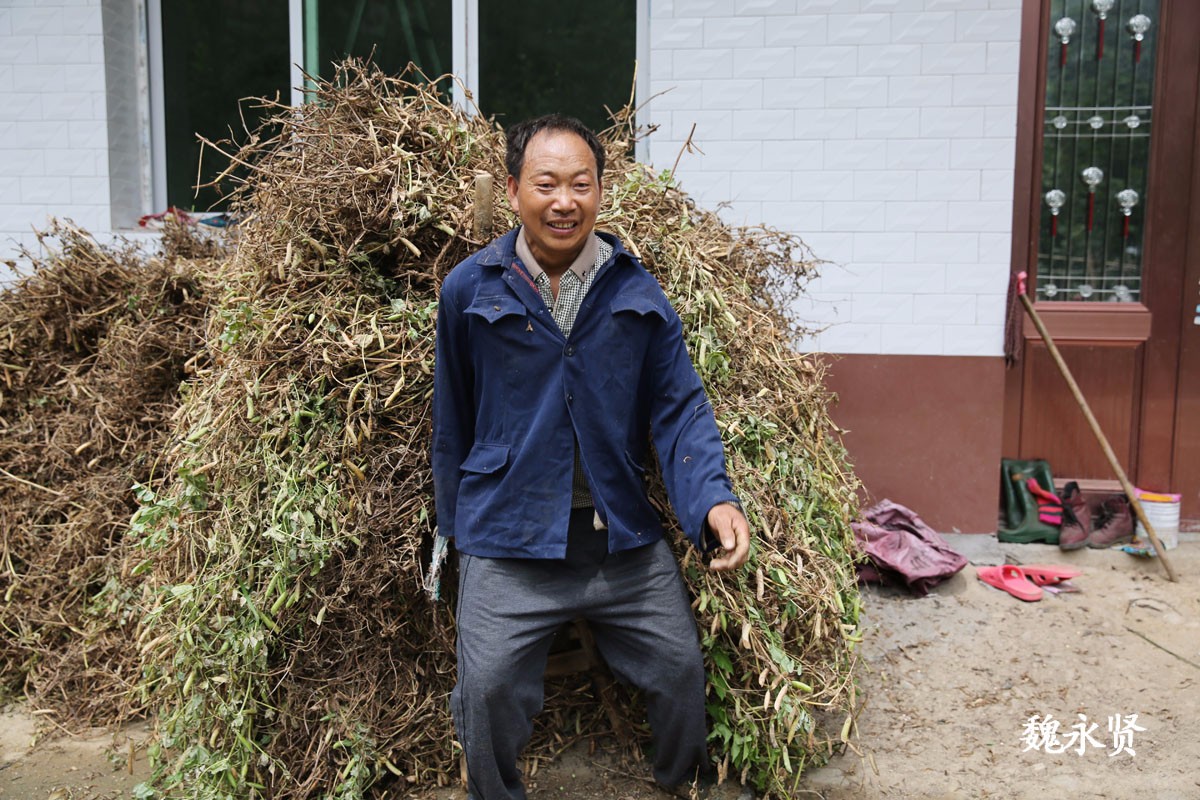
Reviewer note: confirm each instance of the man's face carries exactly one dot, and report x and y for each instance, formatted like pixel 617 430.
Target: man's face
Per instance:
pixel 557 197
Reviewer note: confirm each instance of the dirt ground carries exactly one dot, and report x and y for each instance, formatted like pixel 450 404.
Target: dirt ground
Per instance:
pixel 952 681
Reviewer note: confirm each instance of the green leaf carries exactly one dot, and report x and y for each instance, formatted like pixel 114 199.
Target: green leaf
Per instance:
pixel 720 659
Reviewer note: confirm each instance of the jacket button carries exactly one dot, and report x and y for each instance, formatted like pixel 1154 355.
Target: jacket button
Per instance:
pixel 570 398
pixel 496 308
pixel 570 350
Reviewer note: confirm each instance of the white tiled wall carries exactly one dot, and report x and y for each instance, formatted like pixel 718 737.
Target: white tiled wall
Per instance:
pixel 53 136
pixel 882 131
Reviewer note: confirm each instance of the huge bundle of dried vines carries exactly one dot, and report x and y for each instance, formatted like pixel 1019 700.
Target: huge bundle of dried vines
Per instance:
pixel 287 642
pixel 94 342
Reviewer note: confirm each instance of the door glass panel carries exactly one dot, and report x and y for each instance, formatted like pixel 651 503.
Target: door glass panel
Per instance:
pixel 391 32
pixel 215 53
pixel 1096 149
pixel 538 57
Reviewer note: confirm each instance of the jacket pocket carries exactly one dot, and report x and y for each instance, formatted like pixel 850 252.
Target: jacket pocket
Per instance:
pixel 484 459
pixel 496 308
pixel 633 329
pixel 641 303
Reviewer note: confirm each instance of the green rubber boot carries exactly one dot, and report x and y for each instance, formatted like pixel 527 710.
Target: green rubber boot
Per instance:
pixel 1020 506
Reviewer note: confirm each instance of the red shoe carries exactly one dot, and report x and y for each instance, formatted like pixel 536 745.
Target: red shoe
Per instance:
pixel 1048 574
pixel 1010 579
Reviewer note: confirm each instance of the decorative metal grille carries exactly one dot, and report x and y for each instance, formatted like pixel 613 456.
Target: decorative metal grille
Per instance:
pixel 1096 149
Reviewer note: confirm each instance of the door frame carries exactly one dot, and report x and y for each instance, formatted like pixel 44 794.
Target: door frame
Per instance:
pixel 1173 162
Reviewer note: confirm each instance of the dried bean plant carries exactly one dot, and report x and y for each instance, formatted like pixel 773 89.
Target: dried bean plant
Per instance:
pixel 286 640
pixel 94 342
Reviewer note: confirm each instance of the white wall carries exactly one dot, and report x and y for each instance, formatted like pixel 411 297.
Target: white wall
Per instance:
pixel 881 131
pixel 53 137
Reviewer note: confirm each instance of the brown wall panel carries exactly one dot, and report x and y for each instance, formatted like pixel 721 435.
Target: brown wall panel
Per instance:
pixel 1185 475
pixel 924 431
pixel 1053 426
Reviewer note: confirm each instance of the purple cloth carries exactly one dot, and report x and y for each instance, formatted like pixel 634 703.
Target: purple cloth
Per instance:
pixel 903 549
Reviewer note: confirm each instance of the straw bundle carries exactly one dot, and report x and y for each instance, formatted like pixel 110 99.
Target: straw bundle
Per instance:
pixel 286 641
pixel 93 345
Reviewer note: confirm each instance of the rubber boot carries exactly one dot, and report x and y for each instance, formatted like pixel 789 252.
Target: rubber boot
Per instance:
pixel 1020 507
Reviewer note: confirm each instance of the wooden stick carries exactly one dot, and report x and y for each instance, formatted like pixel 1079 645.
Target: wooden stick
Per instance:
pixel 1130 492
pixel 483 206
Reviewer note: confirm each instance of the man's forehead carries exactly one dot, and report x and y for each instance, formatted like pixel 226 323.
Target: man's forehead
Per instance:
pixel 554 166
pixel 550 146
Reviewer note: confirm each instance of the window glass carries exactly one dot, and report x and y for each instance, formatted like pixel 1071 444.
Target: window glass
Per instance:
pixel 538 57
pixel 1096 149
pixel 215 53
pixel 391 32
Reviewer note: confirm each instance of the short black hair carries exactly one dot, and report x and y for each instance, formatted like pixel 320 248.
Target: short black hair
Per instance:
pixel 519 136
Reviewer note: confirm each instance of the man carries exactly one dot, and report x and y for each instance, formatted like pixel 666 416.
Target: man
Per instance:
pixel 559 359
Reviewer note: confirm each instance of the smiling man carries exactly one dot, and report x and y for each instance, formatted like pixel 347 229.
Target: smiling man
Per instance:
pixel 559 362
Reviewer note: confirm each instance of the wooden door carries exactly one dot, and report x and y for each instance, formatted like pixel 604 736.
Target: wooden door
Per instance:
pixel 1106 160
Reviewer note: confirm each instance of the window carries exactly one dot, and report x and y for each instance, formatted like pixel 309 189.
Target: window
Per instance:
pixel 391 33
pixel 538 57
pixel 216 53
pixel 1096 149
pixel 178 68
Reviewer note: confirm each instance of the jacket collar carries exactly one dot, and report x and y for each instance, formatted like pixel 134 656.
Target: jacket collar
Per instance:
pixel 499 255
pixel 501 251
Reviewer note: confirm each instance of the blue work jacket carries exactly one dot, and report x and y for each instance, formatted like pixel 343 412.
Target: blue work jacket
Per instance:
pixel 512 395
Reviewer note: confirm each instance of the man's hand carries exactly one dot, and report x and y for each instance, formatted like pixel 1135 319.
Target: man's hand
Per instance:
pixel 730 526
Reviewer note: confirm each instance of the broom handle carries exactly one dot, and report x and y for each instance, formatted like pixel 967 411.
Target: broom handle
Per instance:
pixel 482 227
pixel 1130 492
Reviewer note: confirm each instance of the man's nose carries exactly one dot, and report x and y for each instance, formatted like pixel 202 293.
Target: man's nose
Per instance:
pixel 563 200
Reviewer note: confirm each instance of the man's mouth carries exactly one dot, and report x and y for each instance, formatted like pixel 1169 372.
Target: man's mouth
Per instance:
pixel 562 226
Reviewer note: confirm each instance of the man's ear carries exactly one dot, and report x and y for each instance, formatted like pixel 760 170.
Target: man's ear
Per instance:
pixel 512 194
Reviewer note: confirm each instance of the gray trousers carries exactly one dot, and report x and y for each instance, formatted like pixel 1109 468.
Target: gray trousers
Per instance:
pixel 637 609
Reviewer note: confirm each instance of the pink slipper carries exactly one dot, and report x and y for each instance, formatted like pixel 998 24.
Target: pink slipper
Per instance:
pixel 1047 574
pixel 1011 580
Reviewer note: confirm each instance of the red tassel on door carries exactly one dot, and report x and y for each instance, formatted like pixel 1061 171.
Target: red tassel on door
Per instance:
pixel 1138 25
pixel 1092 176
pixel 1127 198
pixel 1055 199
pixel 1065 27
